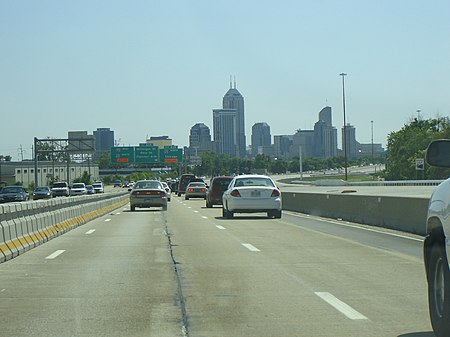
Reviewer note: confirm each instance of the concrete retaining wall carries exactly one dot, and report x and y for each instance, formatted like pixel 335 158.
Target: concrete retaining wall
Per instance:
pixel 406 214
pixel 24 226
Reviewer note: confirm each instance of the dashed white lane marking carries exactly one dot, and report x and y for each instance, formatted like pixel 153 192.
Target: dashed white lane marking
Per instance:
pixel 2 290
pixel 220 227
pixel 250 247
pixel 90 231
pixel 195 211
pixel 118 213
pixel 189 207
pixel 204 217
pixel 55 254
pixel 107 220
pixel 342 307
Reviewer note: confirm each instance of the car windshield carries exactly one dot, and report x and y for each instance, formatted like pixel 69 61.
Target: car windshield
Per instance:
pixel 78 186
pixel 42 189
pixel 12 189
pixel 58 185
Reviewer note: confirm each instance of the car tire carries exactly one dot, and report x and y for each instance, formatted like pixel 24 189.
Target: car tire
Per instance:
pixel 439 290
pixel 208 205
pixel 277 214
pixel 132 208
pixel 224 212
pixel 186 198
pixel 164 208
pixel 179 194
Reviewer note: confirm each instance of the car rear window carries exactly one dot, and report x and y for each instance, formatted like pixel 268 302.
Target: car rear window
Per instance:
pixel 254 182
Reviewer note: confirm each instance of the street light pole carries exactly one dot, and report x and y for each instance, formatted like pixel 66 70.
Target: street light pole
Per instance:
pixel 344 138
pixel 371 122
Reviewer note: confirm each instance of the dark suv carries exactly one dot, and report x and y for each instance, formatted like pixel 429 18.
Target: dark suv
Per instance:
pixel 184 181
pixel 217 187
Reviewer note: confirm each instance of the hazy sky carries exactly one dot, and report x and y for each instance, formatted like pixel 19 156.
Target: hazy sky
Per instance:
pixel 150 68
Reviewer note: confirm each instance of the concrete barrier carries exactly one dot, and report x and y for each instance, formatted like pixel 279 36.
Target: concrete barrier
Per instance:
pixel 26 225
pixel 406 214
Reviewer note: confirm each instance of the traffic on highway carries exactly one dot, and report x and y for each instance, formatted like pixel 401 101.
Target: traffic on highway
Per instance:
pixel 190 271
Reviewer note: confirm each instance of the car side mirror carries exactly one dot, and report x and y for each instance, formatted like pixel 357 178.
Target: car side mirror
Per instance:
pixel 438 153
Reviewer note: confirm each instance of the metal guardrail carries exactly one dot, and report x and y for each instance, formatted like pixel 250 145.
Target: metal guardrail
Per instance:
pixel 333 182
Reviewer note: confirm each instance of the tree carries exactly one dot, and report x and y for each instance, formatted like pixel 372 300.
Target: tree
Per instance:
pixel 409 143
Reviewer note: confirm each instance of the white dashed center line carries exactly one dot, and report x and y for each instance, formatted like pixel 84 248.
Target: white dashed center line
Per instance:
pixel 204 217
pixel 250 247
pixel 90 231
pixel 107 220
pixel 195 211
pixel 55 254
pixel 341 306
pixel 220 227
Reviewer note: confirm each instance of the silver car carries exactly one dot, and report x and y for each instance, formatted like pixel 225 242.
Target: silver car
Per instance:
pixel 148 193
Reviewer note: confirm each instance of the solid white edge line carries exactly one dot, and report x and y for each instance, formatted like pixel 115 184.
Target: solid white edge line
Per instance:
pixel 357 227
pixel 90 231
pixel 220 227
pixel 250 247
pixel 55 254
pixel 342 307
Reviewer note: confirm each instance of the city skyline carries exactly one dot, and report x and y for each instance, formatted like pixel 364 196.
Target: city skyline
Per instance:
pixel 136 68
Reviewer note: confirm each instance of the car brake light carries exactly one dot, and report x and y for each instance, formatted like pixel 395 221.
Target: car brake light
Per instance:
pixel 275 193
pixel 235 193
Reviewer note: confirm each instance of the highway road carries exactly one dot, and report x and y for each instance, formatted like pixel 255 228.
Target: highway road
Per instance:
pixel 188 272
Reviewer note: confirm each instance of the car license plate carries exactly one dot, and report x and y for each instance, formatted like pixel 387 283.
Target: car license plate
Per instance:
pixel 255 194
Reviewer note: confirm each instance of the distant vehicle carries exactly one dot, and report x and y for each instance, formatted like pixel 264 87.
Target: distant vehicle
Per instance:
pixel 90 189
pixel 437 245
pixel 117 183
pixel 195 190
pixel 42 192
pixel 60 189
pixel 13 193
pixel 168 190
pixel 173 184
pixel 183 182
pixel 78 189
pixel 252 194
pixel 214 194
pixel 98 187
pixel 148 193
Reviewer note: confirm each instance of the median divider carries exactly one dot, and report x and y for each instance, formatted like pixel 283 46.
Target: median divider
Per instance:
pixel 26 225
pixel 407 214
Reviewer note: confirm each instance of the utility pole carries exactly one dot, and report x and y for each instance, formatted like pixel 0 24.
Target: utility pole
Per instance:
pixel 344 138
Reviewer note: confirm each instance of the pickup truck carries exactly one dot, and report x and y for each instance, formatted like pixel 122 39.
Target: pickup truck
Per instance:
pixel 437 243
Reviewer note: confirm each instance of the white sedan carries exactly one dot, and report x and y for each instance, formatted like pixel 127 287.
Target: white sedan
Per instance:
pixel 252 194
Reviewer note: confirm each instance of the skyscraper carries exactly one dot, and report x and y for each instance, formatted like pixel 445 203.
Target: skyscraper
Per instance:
pixel 224 124
pixel 350 140
pixel 234 100
pixel 325 135
pixel 261 139
pixel 104 140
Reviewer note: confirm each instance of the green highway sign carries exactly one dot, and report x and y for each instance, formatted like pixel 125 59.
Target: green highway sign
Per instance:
pixel 122 155
pixel 146 154
pixel 171 154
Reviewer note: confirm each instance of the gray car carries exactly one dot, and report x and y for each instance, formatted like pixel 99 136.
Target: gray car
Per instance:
pixel 196 190
pixel 148 193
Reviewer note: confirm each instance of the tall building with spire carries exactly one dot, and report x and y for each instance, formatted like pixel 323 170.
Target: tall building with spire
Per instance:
pixel 234 100
pixel 229 124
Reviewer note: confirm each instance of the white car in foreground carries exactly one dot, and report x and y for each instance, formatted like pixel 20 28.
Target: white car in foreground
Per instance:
pixel 437 244
pixel 252 194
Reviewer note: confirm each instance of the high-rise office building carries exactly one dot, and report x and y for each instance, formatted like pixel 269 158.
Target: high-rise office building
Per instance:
pixel 282 145
pixel 104 140
pixel 325 135
pixel 350 141
pixel 234 100
pixel 261 139
pixel 199 142
pixel 224 124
